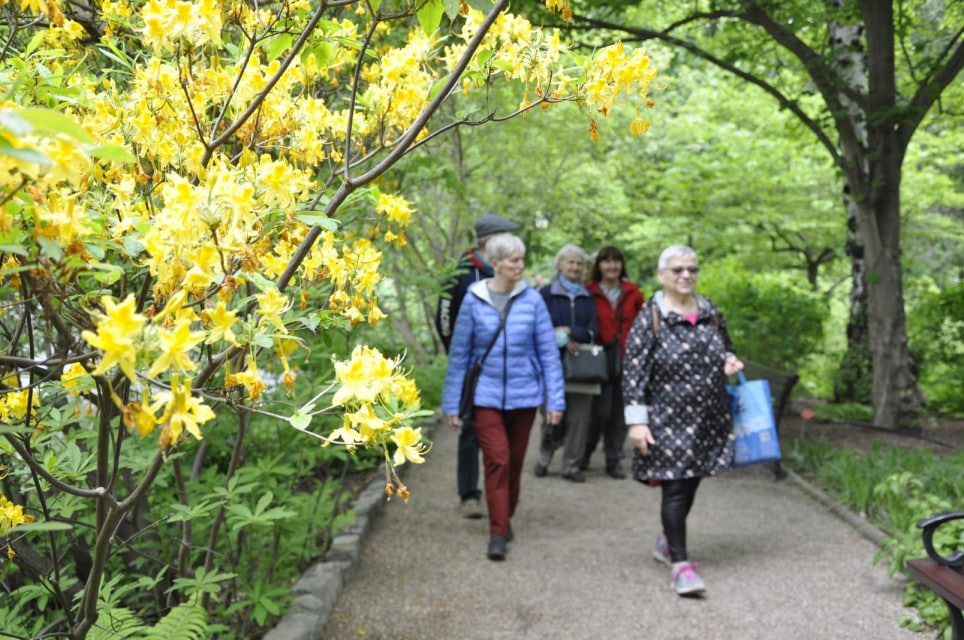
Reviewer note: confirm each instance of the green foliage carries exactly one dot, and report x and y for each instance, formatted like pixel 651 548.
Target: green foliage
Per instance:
pixel 936 329
pixel 843 412
pixel 894 489
pixel 762 310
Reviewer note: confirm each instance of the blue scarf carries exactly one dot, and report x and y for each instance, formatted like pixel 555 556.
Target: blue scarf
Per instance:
pixel 573 288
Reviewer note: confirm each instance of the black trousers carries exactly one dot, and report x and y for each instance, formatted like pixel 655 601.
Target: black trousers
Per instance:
pixel 678 496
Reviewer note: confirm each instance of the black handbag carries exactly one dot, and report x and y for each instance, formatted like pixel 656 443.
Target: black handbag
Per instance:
pixel 588 364
pixel 471 381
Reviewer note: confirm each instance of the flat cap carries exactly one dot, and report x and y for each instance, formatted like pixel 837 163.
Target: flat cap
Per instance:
pixel 491 223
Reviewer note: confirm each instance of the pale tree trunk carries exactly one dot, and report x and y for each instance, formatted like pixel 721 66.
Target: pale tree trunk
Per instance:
pixel 854 381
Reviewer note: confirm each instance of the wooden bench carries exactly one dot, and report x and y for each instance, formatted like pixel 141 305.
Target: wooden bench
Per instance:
pixel 942 574
pixel 781 385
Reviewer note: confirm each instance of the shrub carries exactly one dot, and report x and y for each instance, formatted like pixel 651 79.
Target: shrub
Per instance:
pixel 771 318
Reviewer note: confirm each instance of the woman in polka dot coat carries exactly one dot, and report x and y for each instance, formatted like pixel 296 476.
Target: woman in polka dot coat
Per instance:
pixel 678 357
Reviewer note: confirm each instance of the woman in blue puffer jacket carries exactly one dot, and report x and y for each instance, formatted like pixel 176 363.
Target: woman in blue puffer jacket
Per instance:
pixel 521 373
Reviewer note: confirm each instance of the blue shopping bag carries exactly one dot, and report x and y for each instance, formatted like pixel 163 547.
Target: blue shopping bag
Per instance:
pixel 754 428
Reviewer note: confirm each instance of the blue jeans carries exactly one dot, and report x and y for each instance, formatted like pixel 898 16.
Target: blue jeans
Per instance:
pixel 467 463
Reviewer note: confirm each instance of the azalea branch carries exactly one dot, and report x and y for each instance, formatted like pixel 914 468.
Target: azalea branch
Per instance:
pixel 255 105
pixel 404 146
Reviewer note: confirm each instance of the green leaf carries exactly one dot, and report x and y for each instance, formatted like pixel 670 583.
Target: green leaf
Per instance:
pixel 27 155
pixel 50 121
pixel 300 421
pixel 44 526
pixel 317 219
pixel 52 249
pixel 430 15
pixel 451 8
pixel 114 152
pixel 277 45
pixel 324 53
pixel 437 86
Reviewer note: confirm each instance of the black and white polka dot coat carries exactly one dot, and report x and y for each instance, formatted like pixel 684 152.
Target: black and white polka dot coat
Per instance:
pixel 678 371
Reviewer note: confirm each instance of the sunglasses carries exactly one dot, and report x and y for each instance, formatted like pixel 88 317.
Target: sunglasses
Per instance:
pixel 678 270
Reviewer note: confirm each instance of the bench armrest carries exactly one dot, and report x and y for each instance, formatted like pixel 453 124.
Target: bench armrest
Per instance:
pixel 930 525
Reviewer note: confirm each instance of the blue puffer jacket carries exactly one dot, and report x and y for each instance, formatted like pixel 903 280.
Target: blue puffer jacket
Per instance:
pixel 522 370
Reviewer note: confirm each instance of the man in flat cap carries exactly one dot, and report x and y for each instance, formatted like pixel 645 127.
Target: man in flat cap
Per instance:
pixel 473 267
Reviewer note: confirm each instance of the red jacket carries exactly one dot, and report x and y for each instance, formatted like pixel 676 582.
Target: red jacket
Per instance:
pixel 630 302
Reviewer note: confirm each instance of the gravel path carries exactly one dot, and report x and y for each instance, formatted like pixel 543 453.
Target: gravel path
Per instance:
pixel 777 564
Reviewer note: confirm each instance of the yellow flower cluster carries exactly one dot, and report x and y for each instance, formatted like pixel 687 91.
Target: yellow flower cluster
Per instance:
pixel 11 515
pixel 13 404
pixel 169 22
pixel 377 397
pixel 353 274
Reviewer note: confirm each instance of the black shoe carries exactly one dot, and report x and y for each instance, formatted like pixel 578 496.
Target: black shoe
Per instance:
pixel 541 470
pixel 615 471
pixel 574 476
pixel 496 548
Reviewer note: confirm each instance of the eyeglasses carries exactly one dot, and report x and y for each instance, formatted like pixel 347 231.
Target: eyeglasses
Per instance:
pixel 678 270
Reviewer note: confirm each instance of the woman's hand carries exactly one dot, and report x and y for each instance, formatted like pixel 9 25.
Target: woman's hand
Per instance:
pixel 553 417
pixel 641 437
pixel 454 422
pixel 732 366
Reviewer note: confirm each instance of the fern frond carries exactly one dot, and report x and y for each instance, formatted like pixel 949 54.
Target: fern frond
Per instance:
pixel 113 623
pixel 186 621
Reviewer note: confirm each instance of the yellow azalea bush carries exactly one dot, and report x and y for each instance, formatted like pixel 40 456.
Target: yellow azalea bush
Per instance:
pixel 191 190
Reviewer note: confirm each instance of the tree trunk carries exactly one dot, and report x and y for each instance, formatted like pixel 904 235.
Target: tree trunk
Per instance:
pixel 897 399
pixel 854 380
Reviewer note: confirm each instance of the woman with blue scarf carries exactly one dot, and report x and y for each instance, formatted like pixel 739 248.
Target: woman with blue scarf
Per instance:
pixel 573 314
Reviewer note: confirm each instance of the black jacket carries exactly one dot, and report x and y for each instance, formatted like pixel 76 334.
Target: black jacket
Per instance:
pixel 472 268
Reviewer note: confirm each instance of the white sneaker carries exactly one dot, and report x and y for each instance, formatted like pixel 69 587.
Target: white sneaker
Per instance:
pixel 685 582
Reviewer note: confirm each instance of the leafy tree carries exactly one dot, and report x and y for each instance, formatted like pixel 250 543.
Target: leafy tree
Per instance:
pixel 861 76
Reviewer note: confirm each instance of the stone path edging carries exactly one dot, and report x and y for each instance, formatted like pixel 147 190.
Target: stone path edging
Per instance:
pixel 866 529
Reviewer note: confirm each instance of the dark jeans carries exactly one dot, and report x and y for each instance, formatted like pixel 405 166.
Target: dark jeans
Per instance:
pixel 467 463
pixel 608 423
pixel 678 496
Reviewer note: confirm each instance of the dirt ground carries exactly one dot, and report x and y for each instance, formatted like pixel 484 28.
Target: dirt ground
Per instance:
pixel 942 436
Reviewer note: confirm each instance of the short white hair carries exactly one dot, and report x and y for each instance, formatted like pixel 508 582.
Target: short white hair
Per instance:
pixel 570 250
pixel 502 245
pixel 676 251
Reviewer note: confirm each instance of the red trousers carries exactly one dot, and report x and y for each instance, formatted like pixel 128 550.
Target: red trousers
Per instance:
pixel 503 438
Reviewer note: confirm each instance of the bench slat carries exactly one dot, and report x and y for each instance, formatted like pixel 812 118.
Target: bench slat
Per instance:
pixel 944 581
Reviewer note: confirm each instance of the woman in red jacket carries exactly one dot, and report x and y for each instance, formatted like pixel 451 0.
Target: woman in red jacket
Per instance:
pixel 617 302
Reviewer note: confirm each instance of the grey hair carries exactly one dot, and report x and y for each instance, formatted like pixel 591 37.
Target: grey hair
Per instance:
pixel 676 251
pixel 502 245
pixel 569 250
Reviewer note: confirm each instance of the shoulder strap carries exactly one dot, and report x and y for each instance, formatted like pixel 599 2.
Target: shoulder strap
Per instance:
pixel 499 330
pixel 619 313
